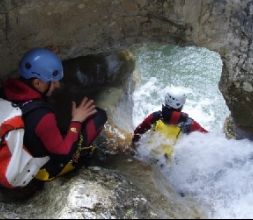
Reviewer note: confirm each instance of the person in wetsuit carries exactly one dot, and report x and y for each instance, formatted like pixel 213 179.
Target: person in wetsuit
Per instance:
pixel 170 114
pixel 40 73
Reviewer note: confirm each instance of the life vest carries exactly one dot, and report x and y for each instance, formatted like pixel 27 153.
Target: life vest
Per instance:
pixel 17 166
pixel 171 133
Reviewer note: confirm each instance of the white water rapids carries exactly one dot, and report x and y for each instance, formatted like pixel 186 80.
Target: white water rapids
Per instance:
pixel 217 173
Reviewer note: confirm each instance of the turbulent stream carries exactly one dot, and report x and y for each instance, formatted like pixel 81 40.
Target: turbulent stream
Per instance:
pixel 208 174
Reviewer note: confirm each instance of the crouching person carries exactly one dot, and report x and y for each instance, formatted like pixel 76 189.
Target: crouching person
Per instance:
pixel 40 73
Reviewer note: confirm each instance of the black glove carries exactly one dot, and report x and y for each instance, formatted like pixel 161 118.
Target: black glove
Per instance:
pixel 136 138
pixel 186 125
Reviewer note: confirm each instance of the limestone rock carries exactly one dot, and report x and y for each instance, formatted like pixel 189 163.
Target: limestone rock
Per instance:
pixel 91 194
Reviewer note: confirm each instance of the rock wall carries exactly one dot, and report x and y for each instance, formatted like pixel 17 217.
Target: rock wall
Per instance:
pixel 84 27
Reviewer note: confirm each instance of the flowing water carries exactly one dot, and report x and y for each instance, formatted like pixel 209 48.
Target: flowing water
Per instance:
pixel 208 169
pixel 196 71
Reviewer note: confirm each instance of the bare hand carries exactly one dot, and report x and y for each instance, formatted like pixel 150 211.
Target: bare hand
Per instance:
pixel 84 110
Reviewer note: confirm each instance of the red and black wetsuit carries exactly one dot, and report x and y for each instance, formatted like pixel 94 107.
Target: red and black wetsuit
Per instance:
pixel 169 116
pixel 42 136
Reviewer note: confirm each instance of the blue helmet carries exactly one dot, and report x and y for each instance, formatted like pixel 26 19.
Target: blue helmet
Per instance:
pixel 42 64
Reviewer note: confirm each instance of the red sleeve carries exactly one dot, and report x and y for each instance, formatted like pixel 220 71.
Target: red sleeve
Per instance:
pixel 143 127
pixel 49 133
pixel 195 126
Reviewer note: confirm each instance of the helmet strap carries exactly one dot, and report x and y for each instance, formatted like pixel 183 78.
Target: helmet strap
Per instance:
pixel 167 111
pixel 30 84
pixel 48 88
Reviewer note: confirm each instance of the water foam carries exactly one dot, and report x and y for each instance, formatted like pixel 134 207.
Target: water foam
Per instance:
pixel 196 71
pixel 216 172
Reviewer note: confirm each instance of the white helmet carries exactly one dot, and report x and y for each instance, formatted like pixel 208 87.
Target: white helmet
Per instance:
pixel 175 99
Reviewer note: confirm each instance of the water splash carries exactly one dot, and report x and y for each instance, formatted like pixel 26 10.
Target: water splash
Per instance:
pixel 215 172
pixel 196 71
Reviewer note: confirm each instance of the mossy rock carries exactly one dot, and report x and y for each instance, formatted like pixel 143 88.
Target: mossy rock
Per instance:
pixel 229 128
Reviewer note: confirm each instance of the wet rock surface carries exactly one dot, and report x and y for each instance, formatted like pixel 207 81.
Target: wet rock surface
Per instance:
pixel 105 78
pixel 229 128
pixel 89 193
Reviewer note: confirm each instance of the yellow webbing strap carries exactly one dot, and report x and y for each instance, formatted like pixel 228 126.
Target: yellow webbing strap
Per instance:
pixel 44 175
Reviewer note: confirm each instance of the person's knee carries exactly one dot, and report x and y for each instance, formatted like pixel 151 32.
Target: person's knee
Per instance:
pixel 102 116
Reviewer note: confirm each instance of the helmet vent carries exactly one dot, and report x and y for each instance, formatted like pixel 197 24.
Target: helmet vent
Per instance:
pixel 28 66
pixel 55 73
